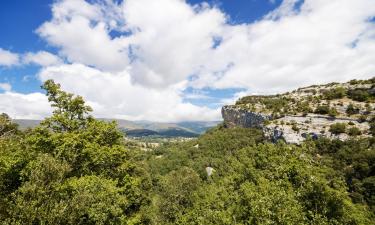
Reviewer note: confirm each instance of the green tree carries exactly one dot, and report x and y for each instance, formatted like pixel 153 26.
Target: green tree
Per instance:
pixel 80 172
pixel 176 191
pixel 7 127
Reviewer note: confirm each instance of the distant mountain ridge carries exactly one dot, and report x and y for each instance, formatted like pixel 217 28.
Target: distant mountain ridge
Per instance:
pixel 146 128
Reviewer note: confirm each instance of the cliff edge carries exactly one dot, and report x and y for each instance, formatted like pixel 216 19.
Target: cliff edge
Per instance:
pixel 335 111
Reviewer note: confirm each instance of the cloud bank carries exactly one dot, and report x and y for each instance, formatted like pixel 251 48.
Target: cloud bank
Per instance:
pixel 134 59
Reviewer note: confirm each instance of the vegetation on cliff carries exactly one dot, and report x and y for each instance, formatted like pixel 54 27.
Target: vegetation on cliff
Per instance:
pixel 320 99
pixel 313 111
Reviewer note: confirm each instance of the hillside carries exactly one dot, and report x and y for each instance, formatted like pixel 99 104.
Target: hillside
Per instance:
pixel 74 169
pixel 142 128
pixel 167 133
pixel 335 110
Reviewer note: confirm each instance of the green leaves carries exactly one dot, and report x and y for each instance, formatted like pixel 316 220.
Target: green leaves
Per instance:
pixel 72 169
pixel 70 111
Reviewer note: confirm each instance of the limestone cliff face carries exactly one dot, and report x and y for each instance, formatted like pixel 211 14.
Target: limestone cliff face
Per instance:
pixel 311 112
pixel 237 117
pixel 313 126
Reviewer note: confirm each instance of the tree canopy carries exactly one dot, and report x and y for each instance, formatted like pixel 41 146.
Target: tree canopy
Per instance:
pixel 75 169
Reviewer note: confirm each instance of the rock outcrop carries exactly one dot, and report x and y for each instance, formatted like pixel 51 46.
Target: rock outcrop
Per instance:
pixel 310 112
pixel 234 116
pixel 292 129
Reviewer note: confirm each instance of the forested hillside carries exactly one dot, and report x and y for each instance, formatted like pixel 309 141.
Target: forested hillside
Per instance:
pixel 73 169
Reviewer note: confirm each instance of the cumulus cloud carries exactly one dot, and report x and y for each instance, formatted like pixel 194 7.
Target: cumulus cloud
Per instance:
pixel 82 35
pixel 134 59
pixel 5 86
pixel 8 58
pixel 323 42
pixel 114 95
pixel 170 41
pixel 41 58
pixel 24 106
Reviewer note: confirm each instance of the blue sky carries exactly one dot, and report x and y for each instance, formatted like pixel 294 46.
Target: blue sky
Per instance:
pixel 189 57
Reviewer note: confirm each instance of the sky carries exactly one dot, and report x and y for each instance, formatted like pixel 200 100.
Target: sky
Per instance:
pixel 176 60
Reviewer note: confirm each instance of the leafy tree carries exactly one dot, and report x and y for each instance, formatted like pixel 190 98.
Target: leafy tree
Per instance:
pixel 7 127
pixel 176 189
pixel 80 172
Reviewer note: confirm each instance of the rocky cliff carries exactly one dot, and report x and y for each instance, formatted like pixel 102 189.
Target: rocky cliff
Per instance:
pixel 234 116
pixel 334 110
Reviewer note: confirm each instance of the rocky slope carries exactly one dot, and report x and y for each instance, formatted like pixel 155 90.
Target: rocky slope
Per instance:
pixel 335 110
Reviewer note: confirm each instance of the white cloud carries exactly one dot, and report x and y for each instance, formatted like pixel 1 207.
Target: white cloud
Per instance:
pixel 5 86
pixel 8 58
pixel 113 95
pixel 312 46
pixel 135 59
pixel 173 41
pixel 42 58
pixel 24 106
pixel 81 35
pixel 169 40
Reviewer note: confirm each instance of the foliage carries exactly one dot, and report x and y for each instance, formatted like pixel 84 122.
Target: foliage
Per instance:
pixel 355 161
pixel 360 95
pixel 334 93
pixel 7 127
pixel 354 131
pixel 352 110
pixel 337 128
pixel 322 109
pixel 332 112
pixel 73 169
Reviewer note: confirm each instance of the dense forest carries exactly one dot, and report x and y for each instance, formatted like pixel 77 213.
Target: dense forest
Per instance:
pixel 74 169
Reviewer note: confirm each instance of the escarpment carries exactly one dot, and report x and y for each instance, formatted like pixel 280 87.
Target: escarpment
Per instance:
pixel 335 111
pixel 234 116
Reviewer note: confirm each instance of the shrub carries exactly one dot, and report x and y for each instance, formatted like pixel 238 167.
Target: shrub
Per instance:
pixel 372 128
pixel 322 109
pixel 351 110
pixel 295 128
pixel 353 82
pixel 332 112
pixel 360 95
pixel 362 118
pixel 337 128
pixel 354 131
pixel 335 93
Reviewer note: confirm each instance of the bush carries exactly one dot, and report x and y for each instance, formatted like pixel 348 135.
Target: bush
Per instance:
pixel 335 93
pixel 362 118
pixel 332 112
pixel 372 128
pixel 322 109
pixel 354 131
pixel 360 95
pixel 351 110
pixel 337 128
pixel 295 128
pixel 353 82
